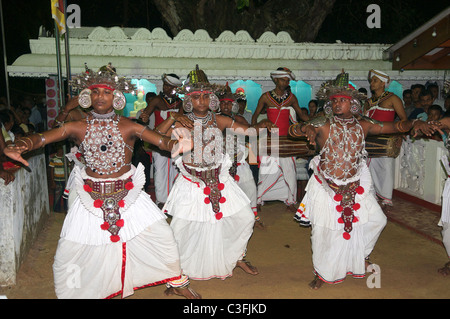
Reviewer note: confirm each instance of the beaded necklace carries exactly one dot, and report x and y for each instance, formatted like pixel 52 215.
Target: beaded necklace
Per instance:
pixel 279 101
pixel 203 119
pixel 172 102
pixel 376 101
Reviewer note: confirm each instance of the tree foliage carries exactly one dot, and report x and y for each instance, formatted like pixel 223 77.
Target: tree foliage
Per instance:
pixel 347 20
pixel 300 18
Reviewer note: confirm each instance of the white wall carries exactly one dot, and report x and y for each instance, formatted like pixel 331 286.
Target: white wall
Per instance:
pixel 24 209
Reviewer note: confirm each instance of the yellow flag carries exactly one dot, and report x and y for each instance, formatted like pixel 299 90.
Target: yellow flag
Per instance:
pixel 58 15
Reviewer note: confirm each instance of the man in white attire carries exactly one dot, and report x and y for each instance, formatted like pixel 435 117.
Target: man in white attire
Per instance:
pixel 211 216
pixel 277 175
pixel 444 222
pixel 241 170
pixel 163 106
pixel 114 239
pixel 383 106
pixel 345 217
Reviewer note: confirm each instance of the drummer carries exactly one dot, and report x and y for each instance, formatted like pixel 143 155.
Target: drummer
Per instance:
pixel 383 106
pixel 277 175
pixel 345 217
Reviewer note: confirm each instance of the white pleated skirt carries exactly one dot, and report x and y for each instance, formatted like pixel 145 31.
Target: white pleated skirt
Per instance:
pixel 209 248
pixel 245 180
pixel 89 265
pixel 334 255
pixel 444 221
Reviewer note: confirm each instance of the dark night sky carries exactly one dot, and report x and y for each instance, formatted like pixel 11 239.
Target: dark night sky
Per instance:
pixel 347 22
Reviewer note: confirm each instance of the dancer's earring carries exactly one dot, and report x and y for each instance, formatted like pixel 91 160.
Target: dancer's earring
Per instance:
pixel 119 100
pixel 187 104
pixel 235 107
pixel 355 107
pixel 214 102
pixel 84 98
pixel 327 109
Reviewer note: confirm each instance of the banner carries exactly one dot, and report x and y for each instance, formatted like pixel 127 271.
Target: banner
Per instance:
pixel 58 15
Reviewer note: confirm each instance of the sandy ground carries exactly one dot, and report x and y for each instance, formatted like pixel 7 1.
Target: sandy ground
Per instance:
pixel 282 254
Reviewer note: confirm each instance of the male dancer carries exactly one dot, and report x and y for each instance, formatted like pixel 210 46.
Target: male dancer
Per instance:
pixel 114 238
pixel 162 106
pixel 277 175
pixel 345 217
pixel 211 216
pixel 383 106
pixel 241 169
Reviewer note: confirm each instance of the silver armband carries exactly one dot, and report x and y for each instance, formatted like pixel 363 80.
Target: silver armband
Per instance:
pixel 370 120
pixel 318 121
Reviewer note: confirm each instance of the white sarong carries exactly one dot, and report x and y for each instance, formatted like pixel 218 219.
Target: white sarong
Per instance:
pixel 277 180
pixel 89 265
pixel 209 248
pixel 382 170
pixel 334 256
pixel 444 221
pixel 165 173
pixel 246 182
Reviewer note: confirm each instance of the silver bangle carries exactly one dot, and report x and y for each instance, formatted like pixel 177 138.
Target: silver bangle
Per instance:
pixel 42 139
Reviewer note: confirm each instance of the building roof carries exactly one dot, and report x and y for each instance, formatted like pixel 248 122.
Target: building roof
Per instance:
pixel 427 48
pixel 141 53
pixel 138 52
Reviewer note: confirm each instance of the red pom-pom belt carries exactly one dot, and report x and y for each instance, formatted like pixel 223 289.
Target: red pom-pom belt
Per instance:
pixel 213 188
pixel 109 196
pixel 345 195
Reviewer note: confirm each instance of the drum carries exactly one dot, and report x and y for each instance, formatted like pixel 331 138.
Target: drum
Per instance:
pixel 376 146
pixel 384 145
pixel 286 147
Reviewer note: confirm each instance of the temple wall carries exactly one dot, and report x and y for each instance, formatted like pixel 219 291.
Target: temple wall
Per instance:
pixel 24 210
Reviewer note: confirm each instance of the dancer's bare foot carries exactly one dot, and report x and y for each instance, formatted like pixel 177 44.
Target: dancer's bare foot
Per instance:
pixel 386 209
pixel 316 283
pixel 292 208
pixel 445 271
pixel 247 267
pixel 186 292
pixel 259 224
pixel 386 206
pixel 368 263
